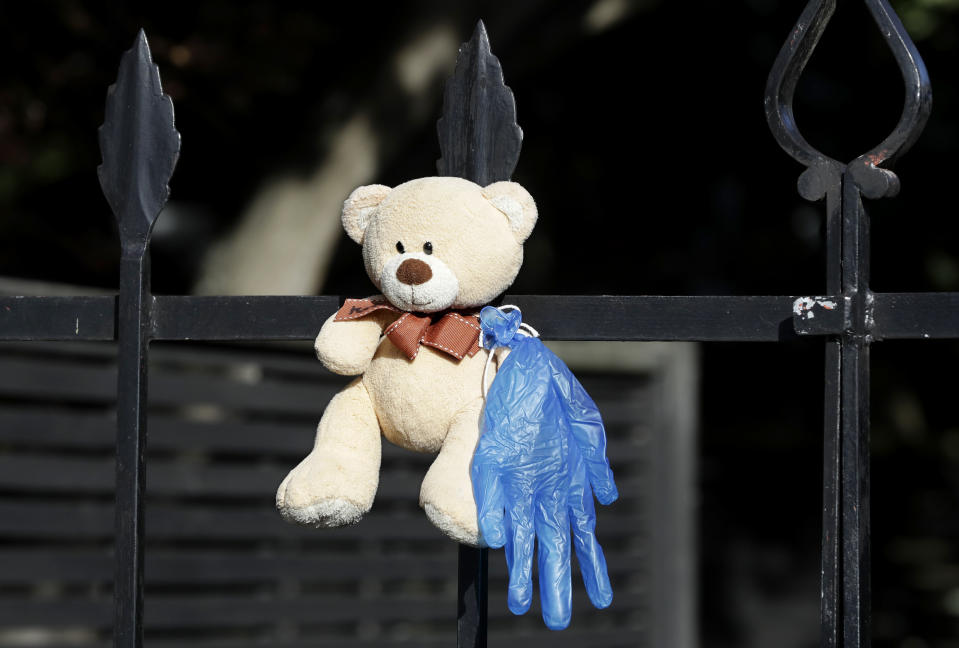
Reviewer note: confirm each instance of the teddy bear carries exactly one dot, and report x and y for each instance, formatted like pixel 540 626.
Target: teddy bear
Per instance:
pixel 438 249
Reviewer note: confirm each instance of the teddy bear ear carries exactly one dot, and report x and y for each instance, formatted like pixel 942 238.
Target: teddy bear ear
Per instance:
pixel 359 207
pixel 514 201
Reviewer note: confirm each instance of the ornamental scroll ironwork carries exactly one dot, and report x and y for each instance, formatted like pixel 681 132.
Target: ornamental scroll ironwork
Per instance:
pixel 873 181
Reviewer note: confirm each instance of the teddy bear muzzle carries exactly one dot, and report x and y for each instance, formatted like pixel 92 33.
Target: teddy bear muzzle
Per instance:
pixel 414 272
pixel 417 282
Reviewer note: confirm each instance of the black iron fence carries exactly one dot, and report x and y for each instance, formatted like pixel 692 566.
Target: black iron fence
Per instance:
pixel 480 140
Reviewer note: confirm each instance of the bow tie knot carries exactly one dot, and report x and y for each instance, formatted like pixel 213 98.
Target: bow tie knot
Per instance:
pixel 456 334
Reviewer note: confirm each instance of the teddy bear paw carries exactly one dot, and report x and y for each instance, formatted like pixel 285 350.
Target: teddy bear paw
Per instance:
pixel 298 505
pixel 459 530
pixel 331 512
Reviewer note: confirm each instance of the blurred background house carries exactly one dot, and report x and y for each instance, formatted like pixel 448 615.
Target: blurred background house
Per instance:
pixel 647 151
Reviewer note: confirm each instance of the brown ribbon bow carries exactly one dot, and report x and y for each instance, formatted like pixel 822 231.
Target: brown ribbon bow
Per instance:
pixel 454 333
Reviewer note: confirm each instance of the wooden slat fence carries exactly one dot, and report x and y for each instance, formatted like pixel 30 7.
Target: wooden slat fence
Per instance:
pixel 222 567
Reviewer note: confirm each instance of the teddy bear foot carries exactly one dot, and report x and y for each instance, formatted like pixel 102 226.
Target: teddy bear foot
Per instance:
pixel 328 513
pixel 462 533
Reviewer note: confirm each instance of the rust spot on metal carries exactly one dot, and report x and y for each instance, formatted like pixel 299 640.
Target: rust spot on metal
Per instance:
pixel 878 158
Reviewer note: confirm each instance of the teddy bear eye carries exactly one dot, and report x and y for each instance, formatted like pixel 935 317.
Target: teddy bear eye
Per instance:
pixel 428 247
pixel 399 247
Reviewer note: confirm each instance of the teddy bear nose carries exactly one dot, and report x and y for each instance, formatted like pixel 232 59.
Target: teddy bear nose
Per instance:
pixel 413 272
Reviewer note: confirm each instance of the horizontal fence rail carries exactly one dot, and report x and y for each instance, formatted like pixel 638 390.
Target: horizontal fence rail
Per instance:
pixel 704 318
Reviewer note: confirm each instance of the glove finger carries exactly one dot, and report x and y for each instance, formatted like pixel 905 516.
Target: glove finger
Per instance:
pixel 555 586
pixel 592 562
pixel 601 478
pixel 586 426
pixel 519 555
pixel 488 493
pixel 591 441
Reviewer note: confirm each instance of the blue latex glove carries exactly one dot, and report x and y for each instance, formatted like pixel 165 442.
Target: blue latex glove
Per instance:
pixel 539 460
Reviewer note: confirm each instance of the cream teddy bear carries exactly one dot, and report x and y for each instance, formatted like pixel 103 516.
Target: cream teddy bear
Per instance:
pixel 438 249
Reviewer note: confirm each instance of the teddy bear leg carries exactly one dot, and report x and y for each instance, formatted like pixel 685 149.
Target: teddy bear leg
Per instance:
pixel 447 491
pixel 335 484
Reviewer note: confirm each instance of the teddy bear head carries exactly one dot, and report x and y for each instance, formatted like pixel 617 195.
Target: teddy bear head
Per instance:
pixel 437 243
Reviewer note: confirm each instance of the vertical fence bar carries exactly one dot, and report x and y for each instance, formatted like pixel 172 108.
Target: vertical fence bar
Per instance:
pixel 865 177
pixel 855 422
pixel 472 596
pixel 829 601
pixel 133 335
pixel 140 147
pixel 480 141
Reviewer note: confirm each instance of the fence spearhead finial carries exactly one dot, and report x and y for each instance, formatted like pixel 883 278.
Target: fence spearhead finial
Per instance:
pixel 139 145
pixel 478 134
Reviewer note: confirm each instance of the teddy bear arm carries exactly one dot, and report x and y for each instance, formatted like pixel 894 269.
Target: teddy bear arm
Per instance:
pixel 347 347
